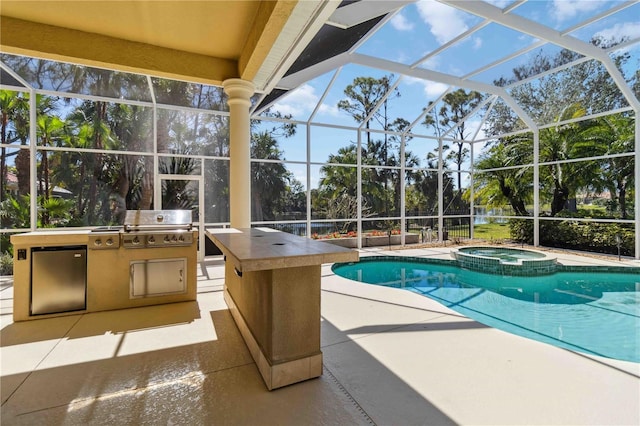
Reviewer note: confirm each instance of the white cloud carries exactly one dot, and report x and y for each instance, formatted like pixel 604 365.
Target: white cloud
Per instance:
pixel 331 110
pixel 477 43
pixel 431 89
pixel 401 23
pixel 444 21
pixel 630 30
pixel 567 9
pixel 299 101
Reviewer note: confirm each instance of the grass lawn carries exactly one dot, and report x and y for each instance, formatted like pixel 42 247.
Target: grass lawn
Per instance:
pixel 492 231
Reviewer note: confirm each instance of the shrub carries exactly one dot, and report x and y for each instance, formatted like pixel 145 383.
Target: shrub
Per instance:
pixel 6 264
pixel 571 234
pixel 521 230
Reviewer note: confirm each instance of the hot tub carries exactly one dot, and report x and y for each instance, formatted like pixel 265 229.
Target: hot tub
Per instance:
pixel 505 260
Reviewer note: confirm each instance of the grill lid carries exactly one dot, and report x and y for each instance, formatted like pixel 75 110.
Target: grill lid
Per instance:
pixel 137 220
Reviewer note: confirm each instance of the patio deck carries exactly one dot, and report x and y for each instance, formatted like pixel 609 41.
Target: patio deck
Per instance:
pixel 390 357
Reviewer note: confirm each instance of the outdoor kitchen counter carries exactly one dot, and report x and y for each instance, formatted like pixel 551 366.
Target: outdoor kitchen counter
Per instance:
pixel 50 238
pixel 107 273
pixel 272 288
pixel 257 249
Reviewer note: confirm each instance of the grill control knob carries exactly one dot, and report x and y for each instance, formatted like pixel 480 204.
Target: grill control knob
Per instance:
pixel 173 239
pixel 151 240
pixel 181 238
pixel 166 239
pixel 97 242
pixel 109 242
pixel 136 240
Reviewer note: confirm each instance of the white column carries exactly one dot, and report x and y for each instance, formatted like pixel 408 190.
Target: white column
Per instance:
pixel 239 93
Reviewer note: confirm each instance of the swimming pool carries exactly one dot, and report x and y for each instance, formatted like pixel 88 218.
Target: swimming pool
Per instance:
pixel 576 308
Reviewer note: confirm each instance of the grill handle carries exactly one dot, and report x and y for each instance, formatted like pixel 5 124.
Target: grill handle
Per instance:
pixel 137 228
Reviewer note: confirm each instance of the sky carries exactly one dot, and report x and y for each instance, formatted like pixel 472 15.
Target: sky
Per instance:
pixel 422 27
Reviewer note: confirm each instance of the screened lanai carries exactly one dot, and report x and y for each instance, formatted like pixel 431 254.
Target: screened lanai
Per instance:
pixel 425 120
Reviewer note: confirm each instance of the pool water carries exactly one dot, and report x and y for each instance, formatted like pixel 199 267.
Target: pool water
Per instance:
pixel 591 312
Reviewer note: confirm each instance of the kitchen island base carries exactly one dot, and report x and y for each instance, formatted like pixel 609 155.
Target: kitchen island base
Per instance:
pixel 272 288
pixel 284 342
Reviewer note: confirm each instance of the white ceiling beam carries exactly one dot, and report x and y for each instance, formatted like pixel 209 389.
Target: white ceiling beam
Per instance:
pixel 426 111
pixel 381 102
pixel 529 48
pixel 493 100
pixel 424 74
pixel 420 73
pixel 599 16
pixel 305 21
pixel 470 115
pixel 362 11
pixel 294 80
pixel 324 95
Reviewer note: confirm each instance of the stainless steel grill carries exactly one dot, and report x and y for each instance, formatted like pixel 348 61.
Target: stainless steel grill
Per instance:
pixel 151 220
pixel 146 229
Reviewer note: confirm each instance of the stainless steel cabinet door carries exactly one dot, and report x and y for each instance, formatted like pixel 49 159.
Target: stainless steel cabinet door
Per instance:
pixel 157 277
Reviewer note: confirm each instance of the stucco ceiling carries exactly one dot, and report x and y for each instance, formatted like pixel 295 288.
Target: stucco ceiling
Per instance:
pixel 205 41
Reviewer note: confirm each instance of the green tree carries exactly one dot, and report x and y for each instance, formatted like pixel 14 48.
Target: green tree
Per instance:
pixel 128 177
pixel 612 135
pixel 370 97
pixel 425 181
pixel 363 97
pixel 272 184
pixel 270 180
pixel 566 94
pixel 562 142
pixel 88 127
pixel 495 185
pixel 14 110
pixel 452 114
pixel 50 131
pixel 177 194
pixel 338 187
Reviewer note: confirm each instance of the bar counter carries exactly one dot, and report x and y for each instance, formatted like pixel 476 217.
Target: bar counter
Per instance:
pixel 272 288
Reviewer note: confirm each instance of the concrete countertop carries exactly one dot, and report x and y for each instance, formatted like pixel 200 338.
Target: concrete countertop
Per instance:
pixel 53 237
pixel 258 249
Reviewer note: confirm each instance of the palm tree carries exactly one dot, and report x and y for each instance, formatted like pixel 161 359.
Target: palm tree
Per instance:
pixel 564 142
pixel 455 108
pixel 88 127
pixel 498 186
pixel 14 127
pixel 50 131
pixel 613 134
pixel 270 180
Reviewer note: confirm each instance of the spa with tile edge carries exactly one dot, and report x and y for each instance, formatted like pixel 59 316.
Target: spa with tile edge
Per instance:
pixel 272 288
